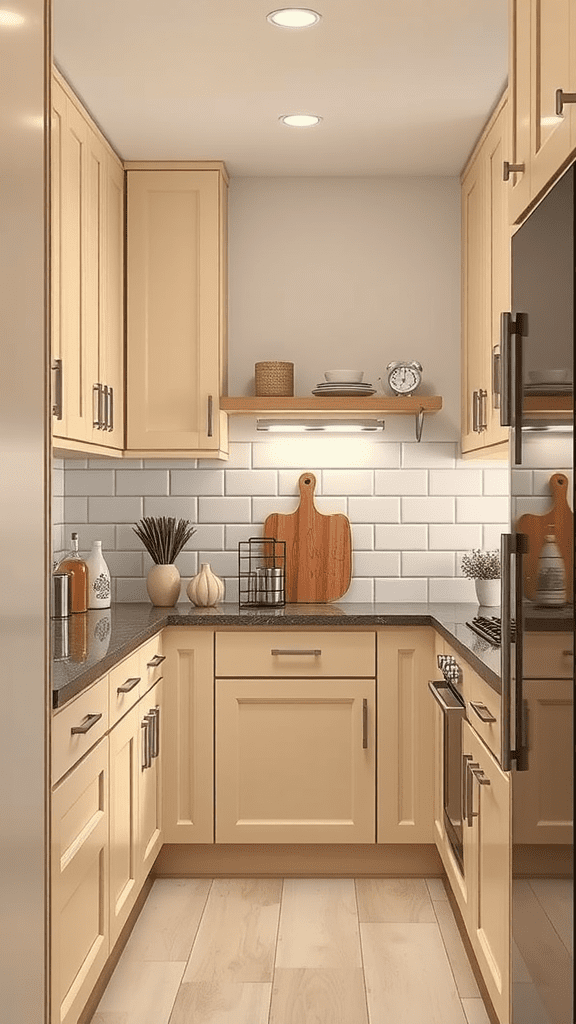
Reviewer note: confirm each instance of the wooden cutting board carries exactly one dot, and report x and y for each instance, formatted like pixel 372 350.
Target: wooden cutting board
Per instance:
pixel 318 548
pixel 560 521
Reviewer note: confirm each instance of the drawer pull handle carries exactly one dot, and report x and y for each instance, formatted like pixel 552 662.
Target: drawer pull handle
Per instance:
pixel 156 660
pixel 314 654
pixel 482 711
pixel 146 761
pixel 364 724
pixel 128 685
pixel 87 724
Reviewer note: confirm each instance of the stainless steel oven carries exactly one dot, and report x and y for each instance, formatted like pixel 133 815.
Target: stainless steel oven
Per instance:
pixel 448 693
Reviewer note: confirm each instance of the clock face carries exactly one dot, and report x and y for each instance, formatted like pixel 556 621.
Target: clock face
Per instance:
pixel 404 378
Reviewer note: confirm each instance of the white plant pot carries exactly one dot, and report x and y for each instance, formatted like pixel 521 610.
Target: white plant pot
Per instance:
pixel 206 589
pixel 488 592
pixel 163 585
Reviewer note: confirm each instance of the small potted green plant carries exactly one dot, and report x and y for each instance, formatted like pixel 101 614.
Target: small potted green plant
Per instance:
pixel 163 537
pixel 484 568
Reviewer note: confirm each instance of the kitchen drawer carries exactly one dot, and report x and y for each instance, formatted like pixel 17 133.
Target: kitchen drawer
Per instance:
pixel 67 746
pixel 126 686
pixel 548 655
pixel 295 654
pixel 482 700
pixel 151 662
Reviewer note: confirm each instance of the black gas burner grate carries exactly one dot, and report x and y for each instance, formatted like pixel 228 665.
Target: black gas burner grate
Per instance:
pixel 490 629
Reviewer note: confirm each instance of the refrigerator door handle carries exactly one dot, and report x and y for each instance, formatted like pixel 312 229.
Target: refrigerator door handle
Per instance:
pixel 513 545
pixel 511 396
pixel 506 548
pixel 505 370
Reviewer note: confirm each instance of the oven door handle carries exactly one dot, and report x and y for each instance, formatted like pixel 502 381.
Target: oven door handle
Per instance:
pixel 434 690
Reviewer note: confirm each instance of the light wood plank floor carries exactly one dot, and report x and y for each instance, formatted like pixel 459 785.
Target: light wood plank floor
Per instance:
pixel 297 951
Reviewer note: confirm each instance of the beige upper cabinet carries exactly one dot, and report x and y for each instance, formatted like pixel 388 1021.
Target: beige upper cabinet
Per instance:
pixel 405 807
pixel 485 288
pixel 176 342
pixel 87 281
pixel 542 65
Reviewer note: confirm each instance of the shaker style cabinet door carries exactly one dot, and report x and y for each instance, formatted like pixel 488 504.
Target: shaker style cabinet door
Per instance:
pixel 295 760
pixel 175 310
pixel 518 184
pixel 473 302
pixel 124 785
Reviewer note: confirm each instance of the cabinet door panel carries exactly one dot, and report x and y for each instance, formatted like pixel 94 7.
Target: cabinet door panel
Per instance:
pixel 551 70
pixel 112 299
pixel 405 736
pixel 519 151
pixel 498 235
pixel 150 790
pixel 79 884
pixel 290 762
pixel 124 783
pixel 474 294
pixel 174 313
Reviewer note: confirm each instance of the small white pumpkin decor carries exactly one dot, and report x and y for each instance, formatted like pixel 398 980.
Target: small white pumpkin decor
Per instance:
pixel 206 589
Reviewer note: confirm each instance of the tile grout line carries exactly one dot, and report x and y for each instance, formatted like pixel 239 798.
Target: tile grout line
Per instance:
pixel 275 951
pixel 569 951
pixel 448 954
pixel 368 1018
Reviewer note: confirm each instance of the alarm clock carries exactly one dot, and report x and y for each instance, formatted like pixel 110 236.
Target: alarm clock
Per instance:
pixel 403 377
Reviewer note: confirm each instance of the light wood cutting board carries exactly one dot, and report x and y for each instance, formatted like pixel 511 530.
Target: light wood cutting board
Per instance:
pixel 318 548
pixel 560 521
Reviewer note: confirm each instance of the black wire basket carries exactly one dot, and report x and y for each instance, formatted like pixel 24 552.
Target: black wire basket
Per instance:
pixel 262 572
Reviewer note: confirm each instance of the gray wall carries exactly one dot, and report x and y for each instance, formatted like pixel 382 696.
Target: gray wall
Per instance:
pixel 23 508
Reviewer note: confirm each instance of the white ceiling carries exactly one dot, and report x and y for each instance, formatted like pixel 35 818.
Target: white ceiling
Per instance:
pixel 403 86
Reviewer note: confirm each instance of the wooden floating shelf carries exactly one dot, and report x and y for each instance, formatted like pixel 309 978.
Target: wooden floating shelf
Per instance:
pixel 338 408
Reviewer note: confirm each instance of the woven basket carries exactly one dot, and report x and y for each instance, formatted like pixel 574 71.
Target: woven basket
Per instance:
pixel 274 378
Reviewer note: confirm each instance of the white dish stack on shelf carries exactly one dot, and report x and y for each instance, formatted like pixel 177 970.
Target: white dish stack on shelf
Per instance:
pixel 343 384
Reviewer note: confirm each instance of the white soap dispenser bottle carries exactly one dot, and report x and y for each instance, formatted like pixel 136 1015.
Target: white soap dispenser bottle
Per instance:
pixel 99 588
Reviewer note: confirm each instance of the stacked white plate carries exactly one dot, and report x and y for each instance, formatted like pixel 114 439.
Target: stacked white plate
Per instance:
pixel 344 389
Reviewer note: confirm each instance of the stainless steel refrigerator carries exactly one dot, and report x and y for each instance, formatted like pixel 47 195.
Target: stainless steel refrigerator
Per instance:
pixel 537 361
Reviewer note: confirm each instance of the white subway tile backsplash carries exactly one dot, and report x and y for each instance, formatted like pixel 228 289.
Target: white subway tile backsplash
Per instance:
pixel 497 481
pixel 542 450
pixel 481 510
pixel 401 481
pixel 399 538
pixel 406 543
pixel 362 537
pixel 179 507
pixel 142 482
pixel 456 481
pixel 350 481
pixel 541 481
pixel 429 455
pixel 454 590
pixel 375 510
pixel 427 563
pixel 535 504
pixel 522 481
pixel 251 481
pixel 402 591
pixel 427 510
pixel 115 510
pixel 376 563
pixel 491 534
pixel 224 510
pixel 455 537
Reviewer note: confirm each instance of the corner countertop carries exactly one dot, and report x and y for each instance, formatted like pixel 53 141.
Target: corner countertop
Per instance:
pixel 98 640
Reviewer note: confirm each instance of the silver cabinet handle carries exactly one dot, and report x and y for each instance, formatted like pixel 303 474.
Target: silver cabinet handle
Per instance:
pixel 475 412
pixel 365 724
pixel 128 685
pixel 97 406
pixel 154 716
pixel 314 654
pixel 562 98
pixel 89 721
pixel 106 394
pixel 146 760
pixel 496 377
pixel 111 416
pixel 482 711
pixel 210 425
pixel 508 169
pixel 156 660
pixel 466 758
pixel 475 772
pixel 435 689
pixel 482 410
pixel 57 407
pixel 470 792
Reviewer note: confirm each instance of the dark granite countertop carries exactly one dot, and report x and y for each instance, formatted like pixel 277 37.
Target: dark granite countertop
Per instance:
pixel 98 640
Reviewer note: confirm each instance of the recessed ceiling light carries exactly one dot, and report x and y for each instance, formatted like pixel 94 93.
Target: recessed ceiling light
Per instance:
pixel 10 19
pixel 300 120
pixel 294 17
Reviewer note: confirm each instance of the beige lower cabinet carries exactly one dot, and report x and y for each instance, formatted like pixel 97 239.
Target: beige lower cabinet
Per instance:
pixel 487 858
pixel 543 795
pixel 405 735
pixel 79 883
pixel 135 805
pixel 295 760
pixel 188 735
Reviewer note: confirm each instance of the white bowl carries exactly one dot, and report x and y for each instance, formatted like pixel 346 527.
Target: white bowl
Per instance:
pixel 549 376
pixel 344 376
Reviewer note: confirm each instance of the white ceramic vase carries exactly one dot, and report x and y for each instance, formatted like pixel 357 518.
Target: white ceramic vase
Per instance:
pixel 163 585
pixel 206 589
pixel 488 592
pixel 99 588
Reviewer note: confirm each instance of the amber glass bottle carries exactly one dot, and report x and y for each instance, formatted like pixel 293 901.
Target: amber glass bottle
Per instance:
pixel 78 570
